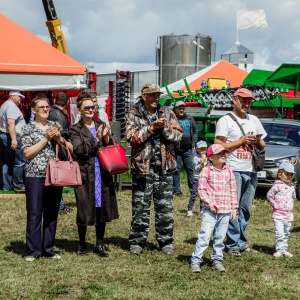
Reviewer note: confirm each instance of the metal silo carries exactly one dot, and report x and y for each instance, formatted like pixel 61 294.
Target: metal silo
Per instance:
pixel 181 55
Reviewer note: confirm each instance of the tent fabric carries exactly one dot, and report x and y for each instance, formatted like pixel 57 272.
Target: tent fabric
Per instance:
pixel 40 82
pixel 25 54
pixel 221 69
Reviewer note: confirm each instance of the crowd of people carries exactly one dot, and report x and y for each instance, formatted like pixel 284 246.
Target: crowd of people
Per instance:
pixel 161 139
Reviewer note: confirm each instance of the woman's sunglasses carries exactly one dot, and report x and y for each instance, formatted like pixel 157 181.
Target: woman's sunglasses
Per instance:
pixel 87 108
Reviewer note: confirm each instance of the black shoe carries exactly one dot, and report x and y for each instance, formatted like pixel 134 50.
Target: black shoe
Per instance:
pixel 178 194
pixel 100 250
pixel 81 249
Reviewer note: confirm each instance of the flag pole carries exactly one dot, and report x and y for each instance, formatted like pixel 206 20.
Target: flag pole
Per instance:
pixel 237 30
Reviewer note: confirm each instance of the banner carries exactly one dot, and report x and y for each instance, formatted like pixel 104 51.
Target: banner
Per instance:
pixel 251 19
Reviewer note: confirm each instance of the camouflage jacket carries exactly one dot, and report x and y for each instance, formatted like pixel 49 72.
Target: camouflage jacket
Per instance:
pixel 139 138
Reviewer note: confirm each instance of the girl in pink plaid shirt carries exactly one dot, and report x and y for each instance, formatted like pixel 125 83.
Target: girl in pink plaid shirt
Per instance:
pixel 217 191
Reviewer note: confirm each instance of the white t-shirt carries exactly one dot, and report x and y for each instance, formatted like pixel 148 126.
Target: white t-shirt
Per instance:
pixel 239 159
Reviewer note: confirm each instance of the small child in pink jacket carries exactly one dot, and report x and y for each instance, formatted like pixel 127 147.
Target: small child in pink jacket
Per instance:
pixel 282 196
pixel 217 191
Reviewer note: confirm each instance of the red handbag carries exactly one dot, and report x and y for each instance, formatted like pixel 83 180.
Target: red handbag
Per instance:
pixel 63 173
pixel 113 159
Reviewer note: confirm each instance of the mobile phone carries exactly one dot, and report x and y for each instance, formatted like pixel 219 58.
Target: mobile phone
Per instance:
pixel 56 125
pixel 259 136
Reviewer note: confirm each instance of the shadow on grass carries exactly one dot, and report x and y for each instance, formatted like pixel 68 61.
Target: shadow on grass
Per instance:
pixel 191 241
pixel 123 243
pixel 187 259
pixel 71 246
pixel 264 249
pixel 17 247
pixel 295 229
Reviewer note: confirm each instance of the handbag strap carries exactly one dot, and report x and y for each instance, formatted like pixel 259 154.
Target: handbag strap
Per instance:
pixel 67 149
pixel 241 128
pixel 236 121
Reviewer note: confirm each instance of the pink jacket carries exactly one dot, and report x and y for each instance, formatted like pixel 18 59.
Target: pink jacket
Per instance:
pixel 282 196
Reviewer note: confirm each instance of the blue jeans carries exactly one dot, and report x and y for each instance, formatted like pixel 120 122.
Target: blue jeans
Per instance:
pixel 194 194
pixel 282 233
pixel 186 157
pixel 216 223
pixel 246 183
pixel 13 163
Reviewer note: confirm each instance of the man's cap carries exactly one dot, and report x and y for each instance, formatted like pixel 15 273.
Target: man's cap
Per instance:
pixel 179 103
pixel 151 88
pixel 18 93
pixel 245 93
pixel 201 144
pixel 215 149
pixel 287 166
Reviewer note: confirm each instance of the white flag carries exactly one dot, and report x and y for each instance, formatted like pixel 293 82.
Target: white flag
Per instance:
pixel 251 19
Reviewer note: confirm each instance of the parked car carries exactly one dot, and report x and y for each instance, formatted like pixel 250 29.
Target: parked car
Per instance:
pixel 282 143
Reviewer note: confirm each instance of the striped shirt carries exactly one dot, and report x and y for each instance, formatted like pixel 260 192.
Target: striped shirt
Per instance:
pixel 217 189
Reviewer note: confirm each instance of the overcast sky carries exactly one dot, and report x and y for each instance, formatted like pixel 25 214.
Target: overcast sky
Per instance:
pixel 122 34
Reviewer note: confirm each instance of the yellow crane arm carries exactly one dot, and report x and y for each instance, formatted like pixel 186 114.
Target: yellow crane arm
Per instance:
pixel 54 26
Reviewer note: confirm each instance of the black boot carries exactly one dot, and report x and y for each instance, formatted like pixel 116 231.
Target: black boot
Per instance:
pixel 81 249
pixel 100 250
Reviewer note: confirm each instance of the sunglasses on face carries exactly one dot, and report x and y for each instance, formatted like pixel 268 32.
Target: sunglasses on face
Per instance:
pixel 87 108
pixel 43 107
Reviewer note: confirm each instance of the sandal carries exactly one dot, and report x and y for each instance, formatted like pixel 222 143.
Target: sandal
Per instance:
pixel 234 252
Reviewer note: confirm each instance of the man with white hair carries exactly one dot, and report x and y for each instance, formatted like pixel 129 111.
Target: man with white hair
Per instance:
pixel 11 122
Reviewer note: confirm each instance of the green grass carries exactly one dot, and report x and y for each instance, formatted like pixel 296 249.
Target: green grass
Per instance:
pixel 152 275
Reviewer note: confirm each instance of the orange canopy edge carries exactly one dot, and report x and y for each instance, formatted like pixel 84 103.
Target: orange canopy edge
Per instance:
pixel 23 52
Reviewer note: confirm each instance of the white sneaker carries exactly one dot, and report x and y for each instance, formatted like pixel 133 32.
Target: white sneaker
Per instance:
pixel 217 265
pixel 195 268
pixel 189 213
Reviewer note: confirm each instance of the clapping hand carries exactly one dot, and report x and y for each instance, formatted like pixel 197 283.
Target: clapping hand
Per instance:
pixel 53 133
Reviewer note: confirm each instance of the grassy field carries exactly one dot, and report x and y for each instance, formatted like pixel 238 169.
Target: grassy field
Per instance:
pixel 152 275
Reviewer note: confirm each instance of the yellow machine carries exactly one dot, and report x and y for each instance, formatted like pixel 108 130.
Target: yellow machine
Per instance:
pixel 53 23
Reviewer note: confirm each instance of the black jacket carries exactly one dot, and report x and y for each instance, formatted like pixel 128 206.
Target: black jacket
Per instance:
pixel 57 115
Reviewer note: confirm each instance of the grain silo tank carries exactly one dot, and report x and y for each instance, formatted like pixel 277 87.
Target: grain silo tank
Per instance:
pixel 179 56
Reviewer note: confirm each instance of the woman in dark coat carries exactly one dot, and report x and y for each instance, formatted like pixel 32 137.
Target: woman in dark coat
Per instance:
pixel 96 199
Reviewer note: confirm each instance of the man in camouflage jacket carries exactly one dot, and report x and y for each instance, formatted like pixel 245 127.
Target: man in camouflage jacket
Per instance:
pixel 152 132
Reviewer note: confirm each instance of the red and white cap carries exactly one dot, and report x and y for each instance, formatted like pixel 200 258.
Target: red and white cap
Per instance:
pixel 245 93
pixel 215 149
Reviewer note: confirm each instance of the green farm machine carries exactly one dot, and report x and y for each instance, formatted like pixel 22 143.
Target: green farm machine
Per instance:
pixel 276 96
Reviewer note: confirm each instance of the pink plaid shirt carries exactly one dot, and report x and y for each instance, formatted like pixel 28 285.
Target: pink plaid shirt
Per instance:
pixel 217 189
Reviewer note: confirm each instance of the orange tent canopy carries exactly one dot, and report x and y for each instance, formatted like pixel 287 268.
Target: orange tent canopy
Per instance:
pixel 22 52
pixel 27 63
pixel 221 69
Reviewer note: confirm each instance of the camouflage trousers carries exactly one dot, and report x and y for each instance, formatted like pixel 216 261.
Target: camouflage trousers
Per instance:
pixel 144 187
